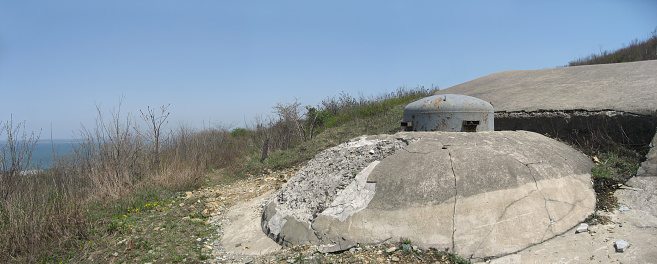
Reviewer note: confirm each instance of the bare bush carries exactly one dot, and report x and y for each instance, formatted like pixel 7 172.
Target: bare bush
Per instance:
pixel 37 209
pixel 110 154
pixel 288 129
pixel 15 155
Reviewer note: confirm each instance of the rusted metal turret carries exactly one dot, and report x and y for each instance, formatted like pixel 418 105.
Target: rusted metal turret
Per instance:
pixel 449 112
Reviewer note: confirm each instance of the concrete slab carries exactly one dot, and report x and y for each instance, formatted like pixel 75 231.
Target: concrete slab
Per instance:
pixel 481 195
pixel 629 87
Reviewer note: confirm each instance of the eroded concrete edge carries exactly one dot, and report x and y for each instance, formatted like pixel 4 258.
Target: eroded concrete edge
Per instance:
pixel 274 220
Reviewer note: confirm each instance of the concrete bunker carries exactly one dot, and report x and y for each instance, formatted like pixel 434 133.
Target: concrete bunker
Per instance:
pixel 465 192
pixel 448 190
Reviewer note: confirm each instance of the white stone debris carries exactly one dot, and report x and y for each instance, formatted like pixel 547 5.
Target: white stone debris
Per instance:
pixel 621 245
pixel 582 228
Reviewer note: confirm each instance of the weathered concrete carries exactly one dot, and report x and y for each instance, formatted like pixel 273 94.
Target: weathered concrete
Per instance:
pixel 628 87
pixel 591 104
pixel 594 246
pixel 637 225
pixel 465 192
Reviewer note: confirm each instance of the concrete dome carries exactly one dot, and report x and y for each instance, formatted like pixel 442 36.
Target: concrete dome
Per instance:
pixel 477 194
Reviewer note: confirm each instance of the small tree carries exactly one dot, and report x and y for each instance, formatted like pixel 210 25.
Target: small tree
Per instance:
pixel 312 121
pixel 155 121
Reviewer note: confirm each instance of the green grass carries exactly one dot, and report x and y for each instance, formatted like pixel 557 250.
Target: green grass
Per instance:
pixel 147 227
pixel 385 121
pixel 615 165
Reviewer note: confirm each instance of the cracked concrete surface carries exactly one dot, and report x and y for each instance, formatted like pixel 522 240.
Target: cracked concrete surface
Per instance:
pixel 481 195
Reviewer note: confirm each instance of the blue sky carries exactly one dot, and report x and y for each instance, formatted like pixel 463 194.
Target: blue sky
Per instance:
pixel 226 62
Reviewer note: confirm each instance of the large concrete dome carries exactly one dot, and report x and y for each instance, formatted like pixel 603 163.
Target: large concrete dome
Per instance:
pixel 480 194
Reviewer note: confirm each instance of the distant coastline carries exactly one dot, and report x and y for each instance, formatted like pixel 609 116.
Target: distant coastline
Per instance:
pixel 42 155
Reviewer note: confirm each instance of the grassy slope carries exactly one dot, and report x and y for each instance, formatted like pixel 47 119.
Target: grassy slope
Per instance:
pixel 635 51
pixel 152 207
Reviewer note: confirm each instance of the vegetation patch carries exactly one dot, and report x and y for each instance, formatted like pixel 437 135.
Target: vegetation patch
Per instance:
pixel 635 51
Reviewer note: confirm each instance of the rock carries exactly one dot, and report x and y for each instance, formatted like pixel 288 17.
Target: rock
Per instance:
pixel 205 213
pixel 582 228
pixel 338 247
pixel 621 245
pixel 394 259
pixel 406 247
pixel 392 249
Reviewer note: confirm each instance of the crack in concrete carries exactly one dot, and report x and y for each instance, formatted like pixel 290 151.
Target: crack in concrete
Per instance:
pixel 499 220
pixel 545 201
pixel 572 207
pixel 456 192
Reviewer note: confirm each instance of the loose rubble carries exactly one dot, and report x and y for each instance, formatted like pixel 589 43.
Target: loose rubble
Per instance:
pixel 621 245
pixel 582 228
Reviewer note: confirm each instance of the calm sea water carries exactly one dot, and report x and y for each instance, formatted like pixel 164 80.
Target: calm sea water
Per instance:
pixel 43 151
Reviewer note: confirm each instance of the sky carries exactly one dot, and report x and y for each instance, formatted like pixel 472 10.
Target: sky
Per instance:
pixel 225 63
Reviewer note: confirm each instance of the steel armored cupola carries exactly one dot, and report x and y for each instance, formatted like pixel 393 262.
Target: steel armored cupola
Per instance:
pixel 449 112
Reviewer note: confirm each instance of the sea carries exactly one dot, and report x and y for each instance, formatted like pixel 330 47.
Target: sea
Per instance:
pixel 42 155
